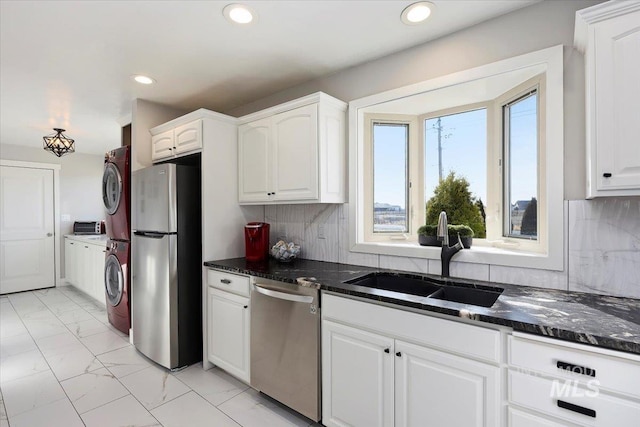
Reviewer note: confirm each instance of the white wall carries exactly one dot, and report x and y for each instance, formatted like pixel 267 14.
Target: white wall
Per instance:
pixel 542 25
pixel 80 184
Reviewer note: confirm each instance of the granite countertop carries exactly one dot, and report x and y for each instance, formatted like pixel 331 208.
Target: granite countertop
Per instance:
pixel 597 320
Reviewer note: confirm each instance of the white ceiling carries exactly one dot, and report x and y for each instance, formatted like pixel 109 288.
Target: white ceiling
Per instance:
pixel 69 63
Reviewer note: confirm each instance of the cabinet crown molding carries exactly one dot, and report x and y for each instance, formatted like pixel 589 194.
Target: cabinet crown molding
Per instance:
pixel 201 113
pixel 598 13
pixel 318 97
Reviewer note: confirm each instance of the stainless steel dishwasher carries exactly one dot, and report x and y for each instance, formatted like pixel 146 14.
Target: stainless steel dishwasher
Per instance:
pixel 285 344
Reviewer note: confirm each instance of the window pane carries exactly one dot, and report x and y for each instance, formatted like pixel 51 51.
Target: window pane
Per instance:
pixel 390 177
pixel 521 167
pixel 458 143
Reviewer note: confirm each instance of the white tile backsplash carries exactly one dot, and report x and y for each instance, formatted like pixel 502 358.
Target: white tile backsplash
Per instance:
pixel 417 265
pixel 603 254
pixel 604 246
pixel 528 276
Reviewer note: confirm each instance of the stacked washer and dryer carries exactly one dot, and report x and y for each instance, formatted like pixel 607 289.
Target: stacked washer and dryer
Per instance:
pixel 116 195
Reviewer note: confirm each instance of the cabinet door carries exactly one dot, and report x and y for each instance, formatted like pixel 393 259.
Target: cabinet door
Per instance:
pixel 98 258
pixel 70 261
pixel 162 145
pixel 254 161
pixel 295 154
pixel 434 388
pixel 228 332
pixel 84 268
pixel 617 91
pixel 357 377
pixel 188 137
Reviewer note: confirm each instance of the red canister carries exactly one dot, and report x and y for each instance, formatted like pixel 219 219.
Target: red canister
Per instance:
pixel 256 241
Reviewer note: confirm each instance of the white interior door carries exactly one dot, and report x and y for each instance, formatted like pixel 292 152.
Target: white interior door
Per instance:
pixel 26 229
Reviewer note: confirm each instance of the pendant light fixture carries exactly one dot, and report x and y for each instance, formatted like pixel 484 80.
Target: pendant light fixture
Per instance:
pixel 58 143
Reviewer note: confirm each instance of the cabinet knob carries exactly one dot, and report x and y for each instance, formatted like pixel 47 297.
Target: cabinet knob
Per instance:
pixel 246 306
pixel 606 175
pixel 386 350
pixel 399 354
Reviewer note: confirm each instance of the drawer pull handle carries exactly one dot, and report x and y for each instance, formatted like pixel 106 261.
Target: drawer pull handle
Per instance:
pixel 225 281
pixel 575 408
pixel 583 370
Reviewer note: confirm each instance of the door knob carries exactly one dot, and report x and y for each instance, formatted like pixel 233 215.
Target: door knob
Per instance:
pixel 49 234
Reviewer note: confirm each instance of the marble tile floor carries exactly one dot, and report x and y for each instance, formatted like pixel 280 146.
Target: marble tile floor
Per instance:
pixel 62 364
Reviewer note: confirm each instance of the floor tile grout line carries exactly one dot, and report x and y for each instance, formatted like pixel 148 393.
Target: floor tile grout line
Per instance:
pixel 95 357
pixel 51 370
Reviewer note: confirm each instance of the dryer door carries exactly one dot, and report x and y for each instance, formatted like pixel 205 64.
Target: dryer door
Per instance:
pixel 113 280
pixel 111 188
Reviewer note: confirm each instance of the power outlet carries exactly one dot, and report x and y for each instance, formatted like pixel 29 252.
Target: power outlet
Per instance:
pixel 65 218
pixel 321 231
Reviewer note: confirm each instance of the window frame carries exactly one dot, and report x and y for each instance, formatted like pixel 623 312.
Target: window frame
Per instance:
pixel 495 233
pixel 549 60
pixel 413 192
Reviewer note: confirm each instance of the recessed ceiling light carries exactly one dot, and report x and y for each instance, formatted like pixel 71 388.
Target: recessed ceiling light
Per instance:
pixel 238 13
pixel 143 79
pixel 417 12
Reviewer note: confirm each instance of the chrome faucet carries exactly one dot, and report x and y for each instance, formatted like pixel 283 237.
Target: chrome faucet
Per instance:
pixel 447 251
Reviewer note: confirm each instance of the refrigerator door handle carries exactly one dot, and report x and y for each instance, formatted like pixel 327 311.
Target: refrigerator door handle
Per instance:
pixel 283 295
pixel 150 234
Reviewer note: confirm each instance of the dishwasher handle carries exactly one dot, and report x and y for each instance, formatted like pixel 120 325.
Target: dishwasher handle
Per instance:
pixel 283 295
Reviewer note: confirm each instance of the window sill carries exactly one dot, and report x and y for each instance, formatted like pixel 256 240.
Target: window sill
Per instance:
pixel 475 255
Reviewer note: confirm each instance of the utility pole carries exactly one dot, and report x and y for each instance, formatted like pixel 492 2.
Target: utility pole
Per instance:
pixel 439 125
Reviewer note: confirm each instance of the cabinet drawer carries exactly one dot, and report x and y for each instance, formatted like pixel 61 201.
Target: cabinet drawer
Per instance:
pixel 612 373
pixel 518 418
pixel 567 400
pixel 228 282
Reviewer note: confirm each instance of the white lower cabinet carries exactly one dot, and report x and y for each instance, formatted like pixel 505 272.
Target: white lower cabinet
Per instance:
pixel 434 388
pixel 228 322
pixel 378 378
pixel 84 266
pixel 357 379
pixel 560 383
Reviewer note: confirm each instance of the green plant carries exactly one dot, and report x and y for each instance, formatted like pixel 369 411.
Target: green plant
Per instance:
pixel 454 230
pixel 452 195
pixel 529 226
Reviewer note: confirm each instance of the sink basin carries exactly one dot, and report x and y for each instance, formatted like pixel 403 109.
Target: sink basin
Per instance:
pixel 391 282
pixel 458 293
pixel 471 296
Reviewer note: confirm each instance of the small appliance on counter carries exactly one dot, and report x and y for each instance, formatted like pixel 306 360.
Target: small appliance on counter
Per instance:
pixel 88 227
pixel 256 241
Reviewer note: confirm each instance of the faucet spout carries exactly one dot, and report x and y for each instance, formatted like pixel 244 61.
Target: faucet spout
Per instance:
pixel 447 251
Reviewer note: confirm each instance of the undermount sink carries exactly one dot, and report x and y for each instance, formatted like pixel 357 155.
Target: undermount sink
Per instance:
pixel 469 296
pixel 391 282
pixel 429 289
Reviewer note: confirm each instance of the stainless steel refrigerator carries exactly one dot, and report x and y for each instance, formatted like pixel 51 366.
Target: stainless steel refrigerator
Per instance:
pixel 166 309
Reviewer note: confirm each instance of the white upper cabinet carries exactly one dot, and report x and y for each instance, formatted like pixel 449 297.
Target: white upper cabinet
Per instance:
pixel 609 36
pixel 175 141
pixel 294 153
pixel 253 160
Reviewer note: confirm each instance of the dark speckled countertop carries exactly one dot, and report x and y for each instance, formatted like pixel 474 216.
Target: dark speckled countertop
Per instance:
pixel 598 320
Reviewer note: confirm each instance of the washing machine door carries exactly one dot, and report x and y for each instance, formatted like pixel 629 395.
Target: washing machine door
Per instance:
pixel 111 188
pixel 113 280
